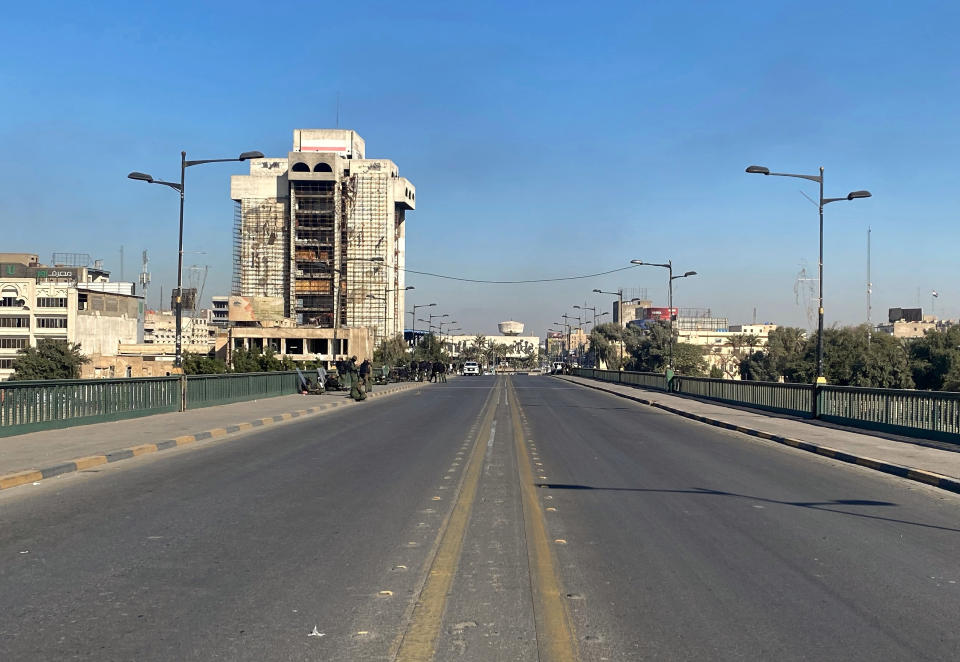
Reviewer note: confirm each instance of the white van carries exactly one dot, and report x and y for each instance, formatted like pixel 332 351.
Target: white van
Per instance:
pixel 471 368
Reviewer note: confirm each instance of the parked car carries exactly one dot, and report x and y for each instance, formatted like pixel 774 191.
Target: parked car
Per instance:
pixel 471 368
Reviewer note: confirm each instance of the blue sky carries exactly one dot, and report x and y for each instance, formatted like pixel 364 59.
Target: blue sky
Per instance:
pixel 544 140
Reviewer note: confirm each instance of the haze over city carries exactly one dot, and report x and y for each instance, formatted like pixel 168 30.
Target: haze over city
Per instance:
pixel 543 142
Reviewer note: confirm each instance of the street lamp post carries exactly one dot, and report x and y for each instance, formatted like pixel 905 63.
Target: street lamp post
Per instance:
pixel 596 357
pixel 669 267
pixel 184 164
pixel 853 195
pixel 569 332
pixel 385 292
pixel 414 313
pixel 623 325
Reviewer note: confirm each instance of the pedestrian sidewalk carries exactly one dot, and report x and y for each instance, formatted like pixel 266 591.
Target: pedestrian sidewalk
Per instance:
pixel 902 457
pixel 27 458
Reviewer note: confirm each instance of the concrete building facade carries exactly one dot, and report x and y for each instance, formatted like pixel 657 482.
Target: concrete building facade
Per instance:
pixel 69 303
pixel 323 230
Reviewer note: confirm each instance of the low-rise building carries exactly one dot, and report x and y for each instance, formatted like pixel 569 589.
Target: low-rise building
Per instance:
pixel 160 327
pixel 75 304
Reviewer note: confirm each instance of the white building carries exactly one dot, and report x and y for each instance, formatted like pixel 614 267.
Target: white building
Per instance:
pixel 160 327
pixel 69 303
pixel 518 347
pixel 323 229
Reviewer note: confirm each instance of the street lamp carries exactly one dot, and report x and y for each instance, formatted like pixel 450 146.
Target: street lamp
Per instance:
pixel 385 291
pixel 853 195
pixel 669 267
pixel 623 324
pixel 414 313
pixel 144 177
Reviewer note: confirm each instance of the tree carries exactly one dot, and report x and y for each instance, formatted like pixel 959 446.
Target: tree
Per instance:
pixel 50 359
pixel 254 360
pixel 935 360
pixel 605 342
pixel 430 349
pixel 392 351
pixel 202 364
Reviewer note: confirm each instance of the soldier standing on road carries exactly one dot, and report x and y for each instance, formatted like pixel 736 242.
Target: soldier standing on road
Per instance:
pixel 357 392
pixel 365 377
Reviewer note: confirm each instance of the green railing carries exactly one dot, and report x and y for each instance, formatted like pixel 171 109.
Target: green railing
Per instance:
pixel 41 405
pixel 210 390
pixel 928 414
pixel 924 414
pixel 796 399
pixel 38 405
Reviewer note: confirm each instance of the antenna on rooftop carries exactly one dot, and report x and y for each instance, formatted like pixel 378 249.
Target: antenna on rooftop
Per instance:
pixel 144 278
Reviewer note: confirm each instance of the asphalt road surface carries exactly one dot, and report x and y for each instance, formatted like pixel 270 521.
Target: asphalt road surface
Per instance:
pixel 487 519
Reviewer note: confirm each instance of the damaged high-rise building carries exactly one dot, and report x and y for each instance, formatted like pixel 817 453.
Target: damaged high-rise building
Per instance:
pixel 321 233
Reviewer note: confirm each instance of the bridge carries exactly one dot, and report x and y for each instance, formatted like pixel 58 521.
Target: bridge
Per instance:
pixel 504 517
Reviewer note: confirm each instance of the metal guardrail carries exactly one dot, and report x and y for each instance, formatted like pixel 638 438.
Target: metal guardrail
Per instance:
pixel 928 414
pixel 39 405
pixel 210 390
pixel 28 406
pixel 796 399
pixel 924 414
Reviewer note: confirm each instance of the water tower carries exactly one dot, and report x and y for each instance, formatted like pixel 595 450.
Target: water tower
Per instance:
pixel 511 328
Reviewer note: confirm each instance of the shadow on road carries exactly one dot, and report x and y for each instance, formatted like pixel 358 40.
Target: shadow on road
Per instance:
pixel 814 505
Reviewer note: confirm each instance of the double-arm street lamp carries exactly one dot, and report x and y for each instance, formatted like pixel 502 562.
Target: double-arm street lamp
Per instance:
pixel 853 195
pixel 184 164
pixel 438 316
pixel 623 324
pixel 385 292
pixel 669 267
pixel 414 313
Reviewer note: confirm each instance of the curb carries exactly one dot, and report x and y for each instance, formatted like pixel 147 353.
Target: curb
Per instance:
pixel 8 481
pixel 902 471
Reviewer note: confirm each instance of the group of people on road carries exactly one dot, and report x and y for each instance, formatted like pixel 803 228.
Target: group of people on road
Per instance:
pixel 360 377
pixel 431 371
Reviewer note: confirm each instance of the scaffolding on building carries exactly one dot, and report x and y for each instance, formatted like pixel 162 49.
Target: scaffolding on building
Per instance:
pixel 260 252
pixel 369 289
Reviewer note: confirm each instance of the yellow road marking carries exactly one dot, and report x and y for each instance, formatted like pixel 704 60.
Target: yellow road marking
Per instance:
pixel 418 643
pixel 555 634
pixel 12 480
pixel 92 461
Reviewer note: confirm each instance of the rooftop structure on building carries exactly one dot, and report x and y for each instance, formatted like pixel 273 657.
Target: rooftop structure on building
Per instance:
pixel 321 231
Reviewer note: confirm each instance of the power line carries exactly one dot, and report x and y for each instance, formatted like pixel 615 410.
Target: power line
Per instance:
pixel 517 282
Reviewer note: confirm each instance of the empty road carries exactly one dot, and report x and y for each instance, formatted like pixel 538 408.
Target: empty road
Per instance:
pixel 487 519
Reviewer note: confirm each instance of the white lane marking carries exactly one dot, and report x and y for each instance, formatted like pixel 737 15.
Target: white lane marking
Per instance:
pixel 493 432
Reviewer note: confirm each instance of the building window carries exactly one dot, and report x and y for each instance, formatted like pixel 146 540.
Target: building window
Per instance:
pixel 51 322
pixel 14 322
pixel 7 364
pixel 14 343
pixel 52 302
pixel 322 167
pixel 300 167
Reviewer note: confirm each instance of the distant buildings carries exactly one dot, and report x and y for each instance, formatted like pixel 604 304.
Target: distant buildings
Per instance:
pixel 69 302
